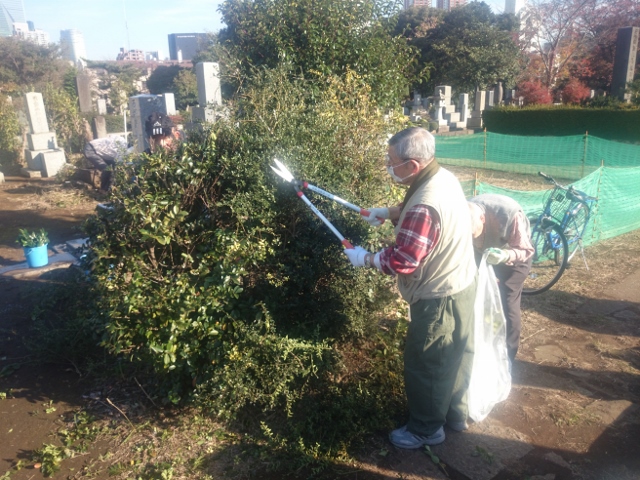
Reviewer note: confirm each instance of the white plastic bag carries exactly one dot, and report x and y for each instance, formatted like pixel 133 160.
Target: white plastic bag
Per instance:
pixel 490 376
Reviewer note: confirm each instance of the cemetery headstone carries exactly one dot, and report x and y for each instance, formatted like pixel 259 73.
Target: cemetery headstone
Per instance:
pixel 43 155
pixel 624 64
pixel 102 106
pixel 83 83
pixel 99 127
pixel 475 120
pixel 140 107
pixel 208 78
pixel 36 115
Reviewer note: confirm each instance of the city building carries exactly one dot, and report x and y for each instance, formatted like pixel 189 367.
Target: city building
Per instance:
pixel 417 3
pixel 27 31
pixel 184 46
pixel 449 4
pixel 11 11
pixel 131 55
pixel 513 6
pixel 154 56
pixel 72 46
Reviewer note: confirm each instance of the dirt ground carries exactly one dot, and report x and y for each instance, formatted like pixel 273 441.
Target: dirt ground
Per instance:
pixel 572 412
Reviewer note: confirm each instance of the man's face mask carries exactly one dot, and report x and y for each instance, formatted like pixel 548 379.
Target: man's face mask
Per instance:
pixel 392 174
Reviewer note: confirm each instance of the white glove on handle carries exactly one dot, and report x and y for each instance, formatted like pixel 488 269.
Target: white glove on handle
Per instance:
pixel 356 256
pixel 497 256
pixel 377 216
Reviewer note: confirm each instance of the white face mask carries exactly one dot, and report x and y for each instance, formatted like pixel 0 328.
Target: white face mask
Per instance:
pixel 391 172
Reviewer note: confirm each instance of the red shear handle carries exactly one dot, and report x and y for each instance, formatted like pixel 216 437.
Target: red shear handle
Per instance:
pixel 367 213
pixel 347 244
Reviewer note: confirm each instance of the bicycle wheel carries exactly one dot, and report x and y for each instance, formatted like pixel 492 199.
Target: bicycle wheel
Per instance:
pixel 549 259
pixel 576 225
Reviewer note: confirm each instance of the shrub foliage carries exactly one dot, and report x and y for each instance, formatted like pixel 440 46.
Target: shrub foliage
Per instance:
pixel 213 272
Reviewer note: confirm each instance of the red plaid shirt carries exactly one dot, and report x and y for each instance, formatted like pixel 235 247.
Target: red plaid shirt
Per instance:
pixel 418 235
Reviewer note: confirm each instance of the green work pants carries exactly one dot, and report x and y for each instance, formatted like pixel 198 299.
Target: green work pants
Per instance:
pixel 438 356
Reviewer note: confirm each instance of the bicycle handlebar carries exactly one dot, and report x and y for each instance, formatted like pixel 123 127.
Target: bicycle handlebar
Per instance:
pixel 576 194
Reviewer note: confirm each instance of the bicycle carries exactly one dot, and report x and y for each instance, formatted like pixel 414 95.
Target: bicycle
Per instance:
pixel 557 235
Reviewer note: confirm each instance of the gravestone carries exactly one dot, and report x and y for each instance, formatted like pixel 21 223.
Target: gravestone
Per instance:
pixel 99 127
pixel 36 115
pixel 84 93
pixel 102 106
pixel 624 64
pixel 475 120
pixel 1 177
pixel 208 78
pixel 463 107
pixel 43 156
pixel 140 107
pixel 169 104
pixel 490 99
pixel 499 93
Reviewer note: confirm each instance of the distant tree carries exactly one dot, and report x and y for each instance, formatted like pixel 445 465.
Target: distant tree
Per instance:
pixel 25 66
pixel 161 79
pixel 416 22
pixel 185 88
pixel 207 50
pixel 321 38
pixel 574 91
pixel 472 47
pixel 9 130
pixel 534 92
pixel 64 118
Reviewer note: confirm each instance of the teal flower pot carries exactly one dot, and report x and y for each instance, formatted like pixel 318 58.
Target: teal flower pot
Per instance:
pixel 36 256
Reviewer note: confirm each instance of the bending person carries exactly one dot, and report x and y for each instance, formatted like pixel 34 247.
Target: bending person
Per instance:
pixel 500 225
pixel 103 153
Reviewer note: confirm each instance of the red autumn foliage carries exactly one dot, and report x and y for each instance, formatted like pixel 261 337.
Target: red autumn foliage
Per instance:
pixel 534 92
pixel 575 91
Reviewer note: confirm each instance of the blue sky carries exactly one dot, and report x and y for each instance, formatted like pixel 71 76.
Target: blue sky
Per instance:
pixel 102 22
pixel 150 21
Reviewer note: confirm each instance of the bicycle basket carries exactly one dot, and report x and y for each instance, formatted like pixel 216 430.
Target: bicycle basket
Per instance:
pixel 559 203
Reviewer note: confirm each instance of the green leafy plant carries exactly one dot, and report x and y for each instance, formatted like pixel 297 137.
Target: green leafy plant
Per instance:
pixel 32 239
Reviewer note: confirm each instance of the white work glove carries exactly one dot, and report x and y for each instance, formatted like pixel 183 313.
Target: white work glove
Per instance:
pixel 356 256
pixel 377 216
pixel 496 256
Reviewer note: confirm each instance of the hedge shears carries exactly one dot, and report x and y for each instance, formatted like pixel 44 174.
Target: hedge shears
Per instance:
pixel 284 172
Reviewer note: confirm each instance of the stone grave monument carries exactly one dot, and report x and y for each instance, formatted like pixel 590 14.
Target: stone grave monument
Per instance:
pixel 99 127
pixel 140 107
pixel 475 119
pixel 83 83
pixel 43 156
pixel 102 106
pixel 209 94
pixel 624 63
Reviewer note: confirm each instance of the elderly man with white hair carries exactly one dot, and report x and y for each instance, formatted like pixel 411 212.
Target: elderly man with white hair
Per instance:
pixel 434 263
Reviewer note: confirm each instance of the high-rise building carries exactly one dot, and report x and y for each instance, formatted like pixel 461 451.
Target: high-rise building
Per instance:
pixel 417 3
pixel 513 6
pixel 130 55
pixel 449 4
pixel 27 31
pixel 72 45
pixel 184 46
pixel 11 11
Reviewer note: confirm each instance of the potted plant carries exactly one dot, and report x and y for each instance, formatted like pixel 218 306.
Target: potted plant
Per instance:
pixel 35 247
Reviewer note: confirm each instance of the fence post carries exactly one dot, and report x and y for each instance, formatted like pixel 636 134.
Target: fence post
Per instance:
pixel 597 212
pixel 584 153
pixel 484 153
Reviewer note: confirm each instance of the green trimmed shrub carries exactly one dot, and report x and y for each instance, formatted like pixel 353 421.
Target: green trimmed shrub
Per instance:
pixel 211 271
pixel 609 123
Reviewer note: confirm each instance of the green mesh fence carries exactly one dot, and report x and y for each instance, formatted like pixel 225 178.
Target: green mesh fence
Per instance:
pixel 568 157
pixel 616 212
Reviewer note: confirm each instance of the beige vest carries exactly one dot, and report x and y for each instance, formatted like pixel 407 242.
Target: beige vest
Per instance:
pixel 450 267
